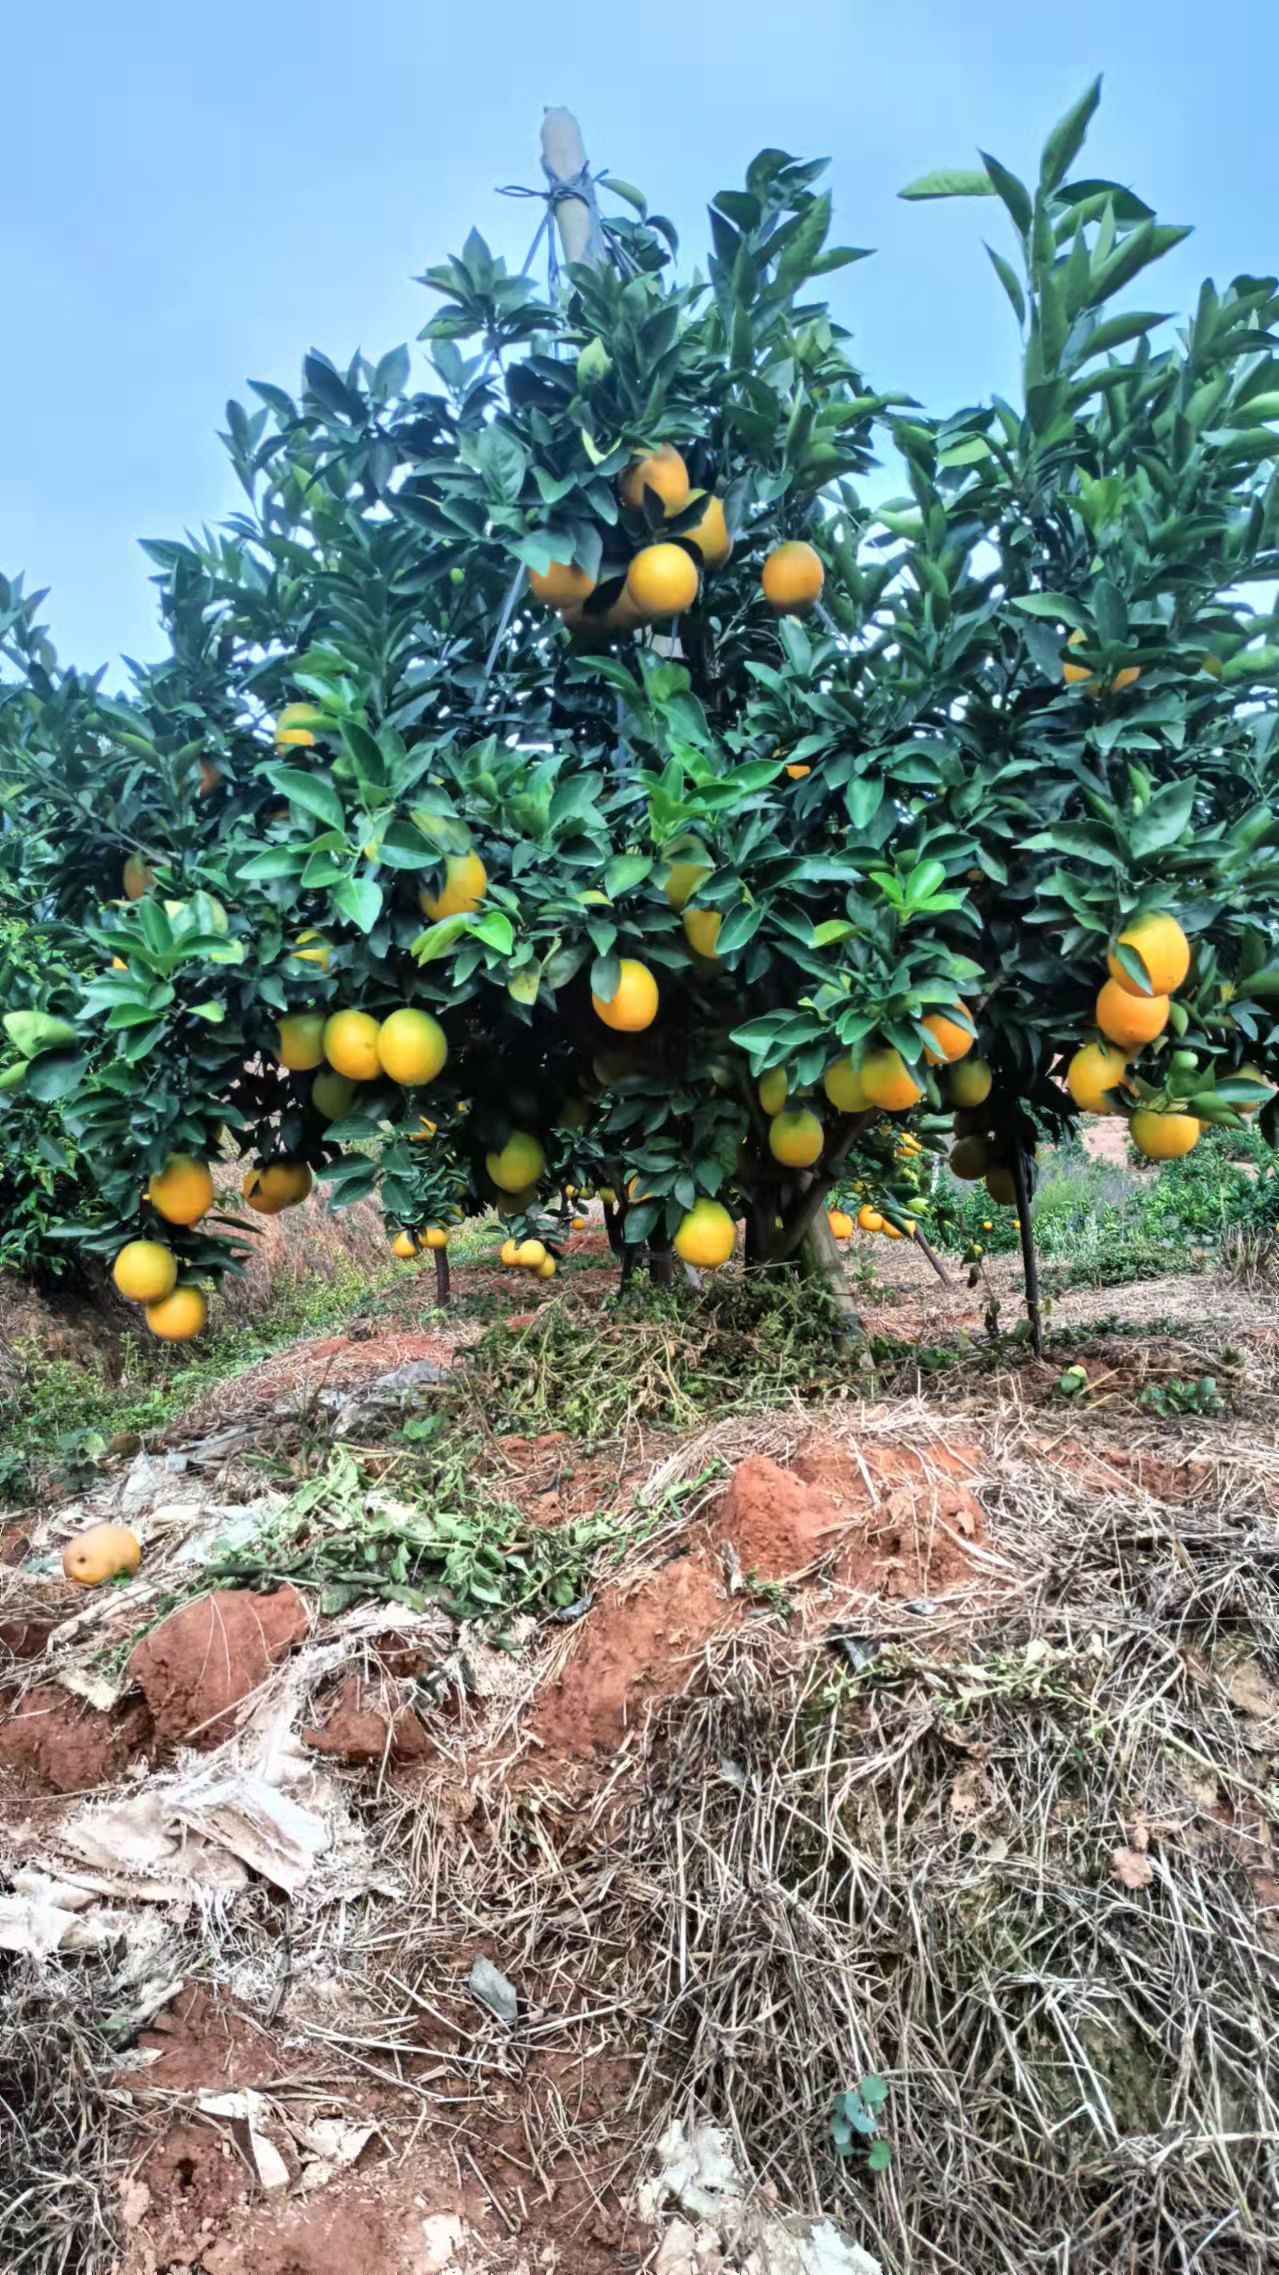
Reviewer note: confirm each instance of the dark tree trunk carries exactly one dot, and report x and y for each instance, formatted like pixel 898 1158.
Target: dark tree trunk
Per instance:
pixel 1029 1260
pixel 442 1278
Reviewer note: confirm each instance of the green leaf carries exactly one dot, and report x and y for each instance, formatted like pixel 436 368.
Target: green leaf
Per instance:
pixel 309 791
pixel 1165 819
pixel 951 181
pixel 625 872
pixel 33 1031
pixel 1014 193
pixel 54 1075
pixel 359 899
pixel 1052 604
pixel 1008 277
pixel 878 2157
pixel 1067 138
pixel 276 861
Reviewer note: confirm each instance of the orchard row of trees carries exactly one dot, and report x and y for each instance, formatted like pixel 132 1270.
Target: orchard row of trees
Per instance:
pixel 560 775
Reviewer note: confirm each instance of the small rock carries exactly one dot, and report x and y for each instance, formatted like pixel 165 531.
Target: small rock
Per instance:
pixel 487 1984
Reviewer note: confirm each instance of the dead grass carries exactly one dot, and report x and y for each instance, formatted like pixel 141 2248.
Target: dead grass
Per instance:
pixel 59 2142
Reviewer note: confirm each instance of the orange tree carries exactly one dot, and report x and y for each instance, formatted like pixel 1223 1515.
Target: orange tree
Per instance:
pixel 575 709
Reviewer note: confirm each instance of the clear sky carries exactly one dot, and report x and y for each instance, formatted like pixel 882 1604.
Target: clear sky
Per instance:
pixel 197 194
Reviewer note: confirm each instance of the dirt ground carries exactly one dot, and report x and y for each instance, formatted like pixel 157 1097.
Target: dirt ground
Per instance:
pixel 415 1940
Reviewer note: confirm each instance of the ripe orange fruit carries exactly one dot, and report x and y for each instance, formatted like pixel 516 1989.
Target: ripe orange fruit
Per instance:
pixel 177 1317
pixel 1093 1071
pixel 689 868
pixel 706 1235
pixel 411 1047
pixel 465 884
pixel 332 1095
pixel 294 738
pixel 843 1085
pixel 546 1269
pixel 702 930
pixel 530 1253
pixel 662 580
pixel 1128 677
pixel 870 1219
pixel 300 715
pixel 970 1085
pixel 1163 948
pixel 796 1138
pixel 792 578
pixel 970 1158
pixel 350 1045
pixel 101 1553
pixel 710 533
pixel 662 470
pixel 183 1190
pixel 210 777
pixel 563 585
pixel 276 1185
pixel 1130 1020
pixel 145 1270
pixel 301 1041
pixel 841 1223
pixel 508 1251
pixel 634 1006
pixel 952 1040
pixel 797 773
pixel 888 1081
pixel 435 1236
pixel 771 1089
pixel 137 878
pixel 404 1245
pixel 1074 674
pixel 1163 1137
pixel 518 1165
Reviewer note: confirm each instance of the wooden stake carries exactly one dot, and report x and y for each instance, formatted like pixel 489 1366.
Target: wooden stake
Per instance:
pixel 563 160
pixel 442 1278
pixel 1029 1260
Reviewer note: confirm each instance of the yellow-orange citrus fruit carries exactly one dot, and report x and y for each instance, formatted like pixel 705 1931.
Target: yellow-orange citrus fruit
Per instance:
pixel 792 578
pixel 578 1224
pixel 870 1219
pixel 530 1253
pixel 892 1231
pixel 465 884
pixel 350 1045
pixel 796 1137
pixel 118 964
pixel 970 1158
pixel 689 868
pixel 300 715
pixel 706 1235
pixel 710 533
pixel 101 1552
pixel 177 1317
pixel 841 1223
pixel 276 1185
pixel 702 929
pixel 411 1047
pixel 519 1163
pixel 969 1084
pixel 1130 1019
pixel 1163 1137
pixel 404 1245
pixel 952 1040
pixel 546 1269
pixel 301 1041
pixel 888 1081
pixel 294 738
pixel 311 948
pixel 634 1006
pixel 1001 1186
pixel 797 773
pixel 508 1251
pixel 771 1089
pixel 332 1094
pixel 435 1236
pixel 843 1085
pixel 563 585
pixel 145 1270
pixel 662 580
pixel 1128 677
pixel 137 878
pixel 183 1190
pixel 1163 949
pixel 1093 1071
pixel 1076 674
pixel 662 470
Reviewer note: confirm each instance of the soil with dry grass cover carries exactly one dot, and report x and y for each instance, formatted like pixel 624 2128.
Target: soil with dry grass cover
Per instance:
pixel 931 1736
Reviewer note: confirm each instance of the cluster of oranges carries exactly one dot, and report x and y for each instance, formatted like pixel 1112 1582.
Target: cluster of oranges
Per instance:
pixel 1129 1016
pixel 529 1256
pixel 663 577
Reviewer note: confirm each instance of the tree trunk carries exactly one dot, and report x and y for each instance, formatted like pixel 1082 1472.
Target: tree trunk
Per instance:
pixel 661 1264
pixel 820 1259
pixel 1029 1260
pixel 442 1278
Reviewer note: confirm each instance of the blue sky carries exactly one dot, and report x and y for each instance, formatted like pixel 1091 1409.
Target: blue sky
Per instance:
pixel 197 195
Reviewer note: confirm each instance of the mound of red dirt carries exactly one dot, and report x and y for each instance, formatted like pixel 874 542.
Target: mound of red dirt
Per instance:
pixel 359 1728
pixel 56 1744
pixel 890 1520
pixel 205 1657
